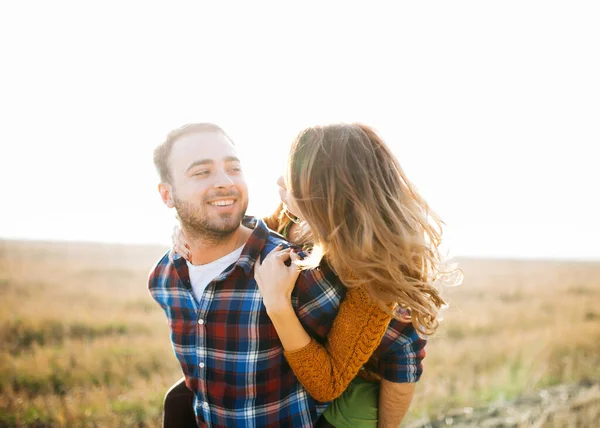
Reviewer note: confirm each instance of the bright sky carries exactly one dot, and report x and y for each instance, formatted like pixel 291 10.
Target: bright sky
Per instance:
pixel 493 109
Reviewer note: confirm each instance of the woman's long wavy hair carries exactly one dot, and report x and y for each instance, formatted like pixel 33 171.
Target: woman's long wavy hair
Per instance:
pixel 367 220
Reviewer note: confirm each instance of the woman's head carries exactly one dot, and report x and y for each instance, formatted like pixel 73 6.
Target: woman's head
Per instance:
pixel 366 218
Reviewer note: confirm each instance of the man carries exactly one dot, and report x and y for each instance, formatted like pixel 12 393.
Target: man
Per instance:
pixel 228 349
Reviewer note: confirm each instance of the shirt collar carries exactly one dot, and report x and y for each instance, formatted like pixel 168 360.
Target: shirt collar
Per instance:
pixel 255 243
pixel 254 246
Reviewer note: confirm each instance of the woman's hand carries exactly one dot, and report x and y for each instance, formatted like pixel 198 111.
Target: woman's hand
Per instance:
pixel 180 244
pixel 276 280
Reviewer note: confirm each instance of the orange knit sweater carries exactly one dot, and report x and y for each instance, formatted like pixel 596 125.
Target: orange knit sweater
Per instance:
pixel 326 371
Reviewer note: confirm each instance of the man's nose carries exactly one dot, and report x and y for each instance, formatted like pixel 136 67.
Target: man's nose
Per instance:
pixel 222 180
pixel 281 182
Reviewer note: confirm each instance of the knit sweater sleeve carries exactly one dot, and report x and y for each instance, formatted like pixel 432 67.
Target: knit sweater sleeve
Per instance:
pixel 273 221
pixel 326 371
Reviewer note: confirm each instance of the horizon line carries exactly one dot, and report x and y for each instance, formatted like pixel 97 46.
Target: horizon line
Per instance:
pixel 457 255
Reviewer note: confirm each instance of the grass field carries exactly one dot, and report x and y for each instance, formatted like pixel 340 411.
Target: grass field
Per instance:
pixel 83 344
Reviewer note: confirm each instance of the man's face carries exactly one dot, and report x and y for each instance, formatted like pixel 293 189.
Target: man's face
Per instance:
pixel 208 188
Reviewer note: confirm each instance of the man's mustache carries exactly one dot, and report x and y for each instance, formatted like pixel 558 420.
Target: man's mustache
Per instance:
pixel 234 194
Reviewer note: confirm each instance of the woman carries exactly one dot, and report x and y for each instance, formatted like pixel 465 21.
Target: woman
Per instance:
pixel 347 198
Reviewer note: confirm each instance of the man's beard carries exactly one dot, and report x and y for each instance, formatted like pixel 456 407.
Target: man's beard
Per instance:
pixel 195 221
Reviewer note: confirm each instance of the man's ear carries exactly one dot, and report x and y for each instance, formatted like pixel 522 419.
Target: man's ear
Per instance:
pixel 166 193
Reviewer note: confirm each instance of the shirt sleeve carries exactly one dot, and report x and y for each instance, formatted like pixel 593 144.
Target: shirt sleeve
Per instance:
pixel 400 354
pixel 317 298
pixel 156 280
pixel 272 221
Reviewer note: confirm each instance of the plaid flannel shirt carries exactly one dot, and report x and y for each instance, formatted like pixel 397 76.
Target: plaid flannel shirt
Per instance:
pixel 230 353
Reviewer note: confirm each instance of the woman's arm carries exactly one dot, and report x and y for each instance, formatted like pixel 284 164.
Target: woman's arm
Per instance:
pixel 325 371
pixel 273 221
pixel 394 401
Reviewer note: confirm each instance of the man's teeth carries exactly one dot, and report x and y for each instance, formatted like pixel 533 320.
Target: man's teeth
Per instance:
pixel 222 203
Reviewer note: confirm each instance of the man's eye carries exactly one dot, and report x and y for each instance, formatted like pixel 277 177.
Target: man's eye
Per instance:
pixel 236 169
pixel 201 173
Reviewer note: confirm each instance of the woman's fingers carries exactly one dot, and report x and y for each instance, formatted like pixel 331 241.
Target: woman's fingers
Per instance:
pixel 183 252
pixel 283 255
pixel 276 259
pixel 269 255
pixel 182 239
pixel 180 244
pixel 294 257
pixel 274 250
pixel 278 253
pixel 294 268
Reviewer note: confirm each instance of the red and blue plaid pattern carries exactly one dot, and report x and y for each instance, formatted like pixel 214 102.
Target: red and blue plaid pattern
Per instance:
pixel 229 350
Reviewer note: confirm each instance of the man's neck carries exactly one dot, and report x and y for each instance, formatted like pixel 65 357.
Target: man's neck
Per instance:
pixel 206 251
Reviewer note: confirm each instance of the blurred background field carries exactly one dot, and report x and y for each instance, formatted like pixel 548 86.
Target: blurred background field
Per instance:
pixel 83 344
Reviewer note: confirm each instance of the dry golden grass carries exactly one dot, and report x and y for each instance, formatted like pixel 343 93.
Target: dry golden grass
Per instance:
pixel 83 344
pixel 513 327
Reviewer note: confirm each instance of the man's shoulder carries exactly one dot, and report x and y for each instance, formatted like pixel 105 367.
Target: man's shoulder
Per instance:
pixel 317 298
pixel 263 236
pixel 322 273
pixel 321 285
pixel 162 270
pixel 274 239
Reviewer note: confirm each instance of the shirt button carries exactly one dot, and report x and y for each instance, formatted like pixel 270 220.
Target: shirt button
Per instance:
pixel 201 365
pixel 200 321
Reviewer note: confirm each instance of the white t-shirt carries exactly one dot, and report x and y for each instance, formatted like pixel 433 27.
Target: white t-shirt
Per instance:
pixel 202 275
